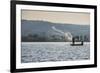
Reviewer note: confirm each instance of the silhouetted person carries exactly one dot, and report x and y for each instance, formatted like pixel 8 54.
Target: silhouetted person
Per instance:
pixel 81 42
pixel 73 40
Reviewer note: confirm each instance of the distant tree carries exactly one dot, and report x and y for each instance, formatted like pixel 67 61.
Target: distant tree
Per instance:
pixel 81 38
pixel 30 37
pixel 24 39
pixel 53 37
pixel 86 38
pixel 35 35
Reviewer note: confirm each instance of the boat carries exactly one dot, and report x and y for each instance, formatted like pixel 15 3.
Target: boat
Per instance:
pixel 76 43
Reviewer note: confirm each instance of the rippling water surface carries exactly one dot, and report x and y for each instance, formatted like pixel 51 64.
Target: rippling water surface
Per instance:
pixel 44 52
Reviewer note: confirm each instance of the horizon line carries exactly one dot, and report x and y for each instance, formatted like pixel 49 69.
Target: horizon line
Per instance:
pixel 54 22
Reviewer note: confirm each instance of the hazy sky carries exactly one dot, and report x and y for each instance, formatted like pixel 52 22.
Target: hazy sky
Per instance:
pixel 57 17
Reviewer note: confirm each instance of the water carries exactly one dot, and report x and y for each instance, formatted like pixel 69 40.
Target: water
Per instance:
pixel 45 52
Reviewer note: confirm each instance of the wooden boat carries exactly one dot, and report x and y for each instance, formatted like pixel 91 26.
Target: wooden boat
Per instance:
pixel 76 43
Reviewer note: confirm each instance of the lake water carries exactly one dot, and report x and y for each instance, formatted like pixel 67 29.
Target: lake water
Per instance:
pixel 58 51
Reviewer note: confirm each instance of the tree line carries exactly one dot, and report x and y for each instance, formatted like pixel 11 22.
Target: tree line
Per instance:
pixel 52 38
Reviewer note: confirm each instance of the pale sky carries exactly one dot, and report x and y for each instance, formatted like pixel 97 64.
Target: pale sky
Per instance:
pixel 57 17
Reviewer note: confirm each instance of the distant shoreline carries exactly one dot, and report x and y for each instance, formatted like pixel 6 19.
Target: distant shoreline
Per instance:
pixel 50 42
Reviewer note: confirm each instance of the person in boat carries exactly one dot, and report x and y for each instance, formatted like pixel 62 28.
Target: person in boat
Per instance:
pixel 73 42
